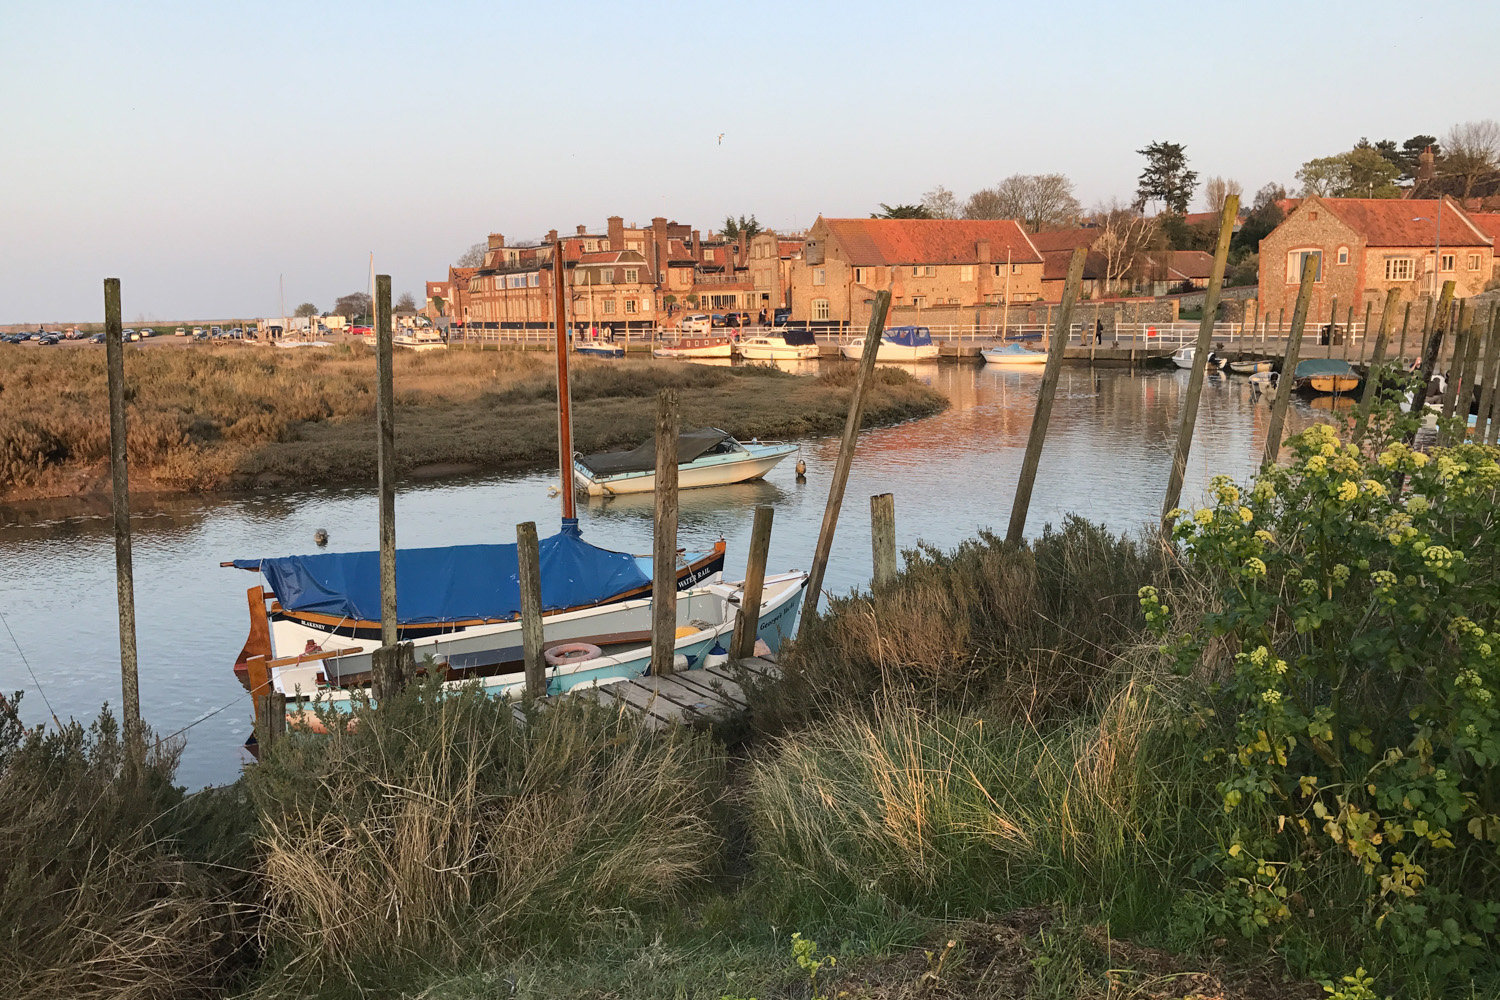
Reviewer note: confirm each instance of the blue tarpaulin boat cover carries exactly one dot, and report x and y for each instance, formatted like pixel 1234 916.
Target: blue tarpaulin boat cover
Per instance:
pixel 450 583
pixel 909 336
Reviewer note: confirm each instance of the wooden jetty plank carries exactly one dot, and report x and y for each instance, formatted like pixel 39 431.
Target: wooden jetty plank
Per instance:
pixel 647 701
pixel 726 689
pixel 690 699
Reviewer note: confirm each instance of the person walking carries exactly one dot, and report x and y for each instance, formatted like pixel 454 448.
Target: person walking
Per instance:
pixel 1098 331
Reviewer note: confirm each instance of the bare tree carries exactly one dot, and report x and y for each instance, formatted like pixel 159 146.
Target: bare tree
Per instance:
pixel 940 203
pixel 1041 201
pixel 1216 189
pixel 355 304
pixel 473 257
pixel 1472 150
pixel 1124 240
pixel 407 303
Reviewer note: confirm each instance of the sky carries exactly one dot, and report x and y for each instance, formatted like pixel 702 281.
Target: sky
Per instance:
pixel 209 154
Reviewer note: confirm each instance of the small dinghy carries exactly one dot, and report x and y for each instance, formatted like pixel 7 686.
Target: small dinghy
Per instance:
pixel 705 457
pixel 1013 355
pixel 1326 375
pixel 1252 366
pixel 1184 359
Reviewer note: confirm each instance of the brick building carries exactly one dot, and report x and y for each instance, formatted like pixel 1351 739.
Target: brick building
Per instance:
pixel 953 263
pixel 1366 246
pixel 613 288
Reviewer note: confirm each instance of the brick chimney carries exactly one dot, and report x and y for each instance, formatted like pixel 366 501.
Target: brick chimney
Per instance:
pixel 497 240
pixel 742 255
pixel 616 232
pixel 697 246
pixel 1426 164
pixel 982 251
pixel 551 236
pixel 580 230
pixel 659 246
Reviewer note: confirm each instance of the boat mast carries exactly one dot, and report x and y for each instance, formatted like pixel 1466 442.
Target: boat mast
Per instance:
pixel 564 392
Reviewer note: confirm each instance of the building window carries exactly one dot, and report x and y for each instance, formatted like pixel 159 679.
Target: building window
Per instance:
pixel 1343 255
pixel 590 246
pixel 999 269
pixel 1015 269
pixel 645 305
pixel 630 305
pixel 861 275
pixel 1449 260
pixel 534 279
pixel 966 272
pixel 632 275
pixel 919 300
pixel 609 305
pixel 1473 261
pixel 820 276
pixel 1400 269
pixel 819 308
pixel 923 271
pixel 1296 260
pixel 607 276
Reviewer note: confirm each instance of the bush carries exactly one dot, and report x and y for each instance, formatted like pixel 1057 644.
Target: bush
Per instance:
pixel 1356 661
pixel 440 829
pixel 101 895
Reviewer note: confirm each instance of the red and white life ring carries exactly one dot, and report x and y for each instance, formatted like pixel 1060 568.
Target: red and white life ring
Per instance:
pixel 571 652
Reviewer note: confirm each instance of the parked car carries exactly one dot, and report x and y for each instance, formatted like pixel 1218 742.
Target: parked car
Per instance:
pixel 48 340
pixel 696 323
pixel 781 317
pixel 200 334
pixel 215 331
pixel 181 331
pixel 146 331
pixel 97 338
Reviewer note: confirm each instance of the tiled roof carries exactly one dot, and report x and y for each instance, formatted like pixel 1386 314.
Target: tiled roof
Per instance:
pixel 1190 264
pixel 1397 222
pixel 1055 265
pixel 872 242
pixel 789 248
pixel 609 257
pixel 1488 223
pixel 1065 239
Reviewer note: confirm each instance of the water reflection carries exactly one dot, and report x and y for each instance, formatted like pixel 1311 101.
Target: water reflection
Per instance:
pixel 1107 457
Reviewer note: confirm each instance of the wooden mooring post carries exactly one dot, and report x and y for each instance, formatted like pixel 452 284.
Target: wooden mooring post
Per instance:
pixel 664 538
pixel 747 617
pixel 529 576
pixel 1016 533
pixel 1491 371
pixel 1456 363
pixel 393 664
pixel 1477 330
pixel 1189 418
pixel 1433 329
pixel 840 479
pixel 883 538
pixel 1405 322
pixel 1373 373
pixel 119 472
pixel 1289 363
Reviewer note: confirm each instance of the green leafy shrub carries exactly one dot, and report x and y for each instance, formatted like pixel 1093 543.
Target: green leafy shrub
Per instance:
pixel 1354 654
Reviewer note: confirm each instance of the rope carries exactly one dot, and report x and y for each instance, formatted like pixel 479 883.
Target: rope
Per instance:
pixel 203 718
pixel 40 690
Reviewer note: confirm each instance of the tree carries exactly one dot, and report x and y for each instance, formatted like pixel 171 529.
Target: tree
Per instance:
pixel 1360 173
pixel 1166 178
pixel 406 303
pixel 473 257
pixel 353 305
pixel 940 203
pixel 987 203
pixel 438 305
pixel 900 212
pixel 734 228
pixel 1265 215
pixel 1125 237
pixel 1411 153
pixel 1041 201
pixel 305 309
pixel 1473 150
pixel 1216 189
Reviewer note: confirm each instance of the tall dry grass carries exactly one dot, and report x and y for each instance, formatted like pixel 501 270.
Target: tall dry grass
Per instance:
pixel 101 892
pixel 938 809
pixel 210 416
pixel 440 830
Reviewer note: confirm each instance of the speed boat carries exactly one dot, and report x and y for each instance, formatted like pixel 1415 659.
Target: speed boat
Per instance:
pixel 789 345
pixel 898 343
pixel 598 349
pixel 705 457
pixel 1013 355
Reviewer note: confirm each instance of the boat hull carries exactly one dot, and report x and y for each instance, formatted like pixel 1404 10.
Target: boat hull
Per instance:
pixel 1329 383
pixel 751 467
pixel 600 351
pixel 788 353
pixel 724 350
pixel 1008 360
pixel 891 352
pixel 1250 367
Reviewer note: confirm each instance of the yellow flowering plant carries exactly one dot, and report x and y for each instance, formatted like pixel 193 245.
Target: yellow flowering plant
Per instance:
pixel 1359 601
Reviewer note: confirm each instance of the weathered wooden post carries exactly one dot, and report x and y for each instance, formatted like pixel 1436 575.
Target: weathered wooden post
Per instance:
pixel 1333 324
pixel 840 478
pixel 1477 330
pixel 1189 417
pixel 1405 322
pixel 1289 363
pixel 391 664
pixel 664 549
pixel 1373 373
pixel 529 567
pixel 1364 330
pixel 1434 329
pixel 747 617
pixel 1487 377
pixel 1455 365
pixel 1038 437
pixel 119 471
pixel 883 538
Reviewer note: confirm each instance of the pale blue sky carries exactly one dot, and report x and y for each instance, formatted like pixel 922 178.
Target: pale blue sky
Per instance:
pixel 198 151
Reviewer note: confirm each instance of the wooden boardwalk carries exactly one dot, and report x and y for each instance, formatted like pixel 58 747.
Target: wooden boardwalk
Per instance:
pixel 686 698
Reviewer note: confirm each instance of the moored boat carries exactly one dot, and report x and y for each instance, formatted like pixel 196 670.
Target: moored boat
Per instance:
pixel 1013 354
pixel 787 345
pixel 705 457
pixel 1185 355
pixel 898 343
pixel 598 349
pixel 1326 375
pixel 694 347
pixel 1251 366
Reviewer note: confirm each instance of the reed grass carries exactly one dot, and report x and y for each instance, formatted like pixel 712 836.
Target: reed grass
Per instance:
pixel 440 830
pixel 207 416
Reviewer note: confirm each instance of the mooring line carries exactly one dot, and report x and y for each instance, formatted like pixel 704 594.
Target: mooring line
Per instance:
pixel 39 689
